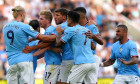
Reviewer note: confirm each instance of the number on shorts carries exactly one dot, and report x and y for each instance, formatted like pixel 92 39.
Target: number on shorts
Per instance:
pixel 47 75
pixel 10 36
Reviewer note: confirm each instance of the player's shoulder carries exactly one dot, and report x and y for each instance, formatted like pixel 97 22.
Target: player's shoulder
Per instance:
pixel 70 29
pixel 24 25
pixel 115 44
pixel 6 25
pixel 64 24
pixel 79 27
pixel 9 23
pixel 131 42
pixel 91 26
pixel 12 24
pixel 50 28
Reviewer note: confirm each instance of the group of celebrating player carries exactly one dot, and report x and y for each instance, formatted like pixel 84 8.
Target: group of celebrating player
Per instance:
pixel 69 49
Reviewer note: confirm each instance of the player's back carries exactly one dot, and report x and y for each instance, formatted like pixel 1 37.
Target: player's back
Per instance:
pixel 16 38
pixel 80 45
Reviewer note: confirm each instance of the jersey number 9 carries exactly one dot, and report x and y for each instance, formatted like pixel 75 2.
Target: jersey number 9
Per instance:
pixel 10 35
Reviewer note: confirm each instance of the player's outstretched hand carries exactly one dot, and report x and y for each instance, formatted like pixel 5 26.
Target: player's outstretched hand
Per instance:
pixel 59 29
pixel 57 50
pixel 89 34
pixel 91 22
pixel 27 49
pixel 123 61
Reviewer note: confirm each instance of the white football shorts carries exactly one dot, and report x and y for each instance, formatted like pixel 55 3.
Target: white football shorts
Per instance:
pixel 126 79
pixel 83 72
pixel 65 68
pixel 20 73
pixel 51 74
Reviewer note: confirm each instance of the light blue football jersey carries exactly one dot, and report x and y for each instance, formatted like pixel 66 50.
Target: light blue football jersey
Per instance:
pixel 125 51
pixel 79 43
pixel 33 43
pixel 50 56
pixel 94 31
pixel 16 38
pixel 67 52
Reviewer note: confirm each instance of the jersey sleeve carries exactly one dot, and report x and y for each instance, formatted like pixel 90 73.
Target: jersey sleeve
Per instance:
pixel 93 29
pixel 133 49
pixel 30 31
pixel 112 54
pixel 67 35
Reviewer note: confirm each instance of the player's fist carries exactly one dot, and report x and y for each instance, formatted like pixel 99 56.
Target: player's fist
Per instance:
pixel 123 61
pixel 89 34
pixel 59 29
pixel 27 49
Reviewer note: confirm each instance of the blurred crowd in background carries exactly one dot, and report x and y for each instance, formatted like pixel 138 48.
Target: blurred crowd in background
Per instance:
pixel 106 23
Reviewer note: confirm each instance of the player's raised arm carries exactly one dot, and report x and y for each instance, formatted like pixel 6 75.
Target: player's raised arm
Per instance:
pixel 59 30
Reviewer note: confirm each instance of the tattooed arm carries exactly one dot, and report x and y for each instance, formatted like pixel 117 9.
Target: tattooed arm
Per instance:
pixel 58 37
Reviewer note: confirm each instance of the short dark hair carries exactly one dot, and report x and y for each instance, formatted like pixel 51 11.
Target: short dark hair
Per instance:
pixel 63 11
pixel 80 10
pixel 124 27
pixel 74 16
pixel 34 24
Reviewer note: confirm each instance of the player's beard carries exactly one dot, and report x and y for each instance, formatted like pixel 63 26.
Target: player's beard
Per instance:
pixel 119 38
pixel 59 22
pixel 22 20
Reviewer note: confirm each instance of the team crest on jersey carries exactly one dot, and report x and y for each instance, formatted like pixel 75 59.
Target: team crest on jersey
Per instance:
pixel 121 49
